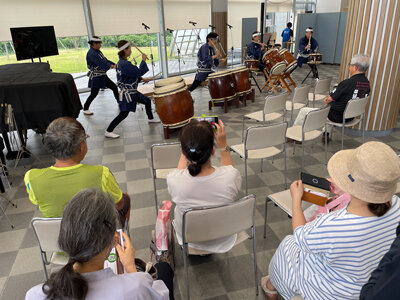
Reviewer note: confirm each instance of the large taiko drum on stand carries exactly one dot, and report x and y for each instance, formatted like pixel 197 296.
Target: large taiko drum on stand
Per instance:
pixel 291 62
pixel 221 86
pixel 252 64
pixel 174 104
pixel 168 81
pixel 241 80
pixel 274 63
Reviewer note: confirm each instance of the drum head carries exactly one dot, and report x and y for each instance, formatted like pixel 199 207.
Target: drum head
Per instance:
pixel 250 60
pixel 169 89
pixel 271 50
pixel 278 68
pixel 282 51
pixel 239 69
pixel 219 74
pixel 168 81
pixel 291 67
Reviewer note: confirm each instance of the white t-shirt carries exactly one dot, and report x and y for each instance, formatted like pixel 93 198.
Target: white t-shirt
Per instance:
pixel 220 187
pixel 104 284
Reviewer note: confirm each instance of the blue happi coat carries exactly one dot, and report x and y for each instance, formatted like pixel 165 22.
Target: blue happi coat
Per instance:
pixel 254 51
pixel 205 62
pixel 128 78
pixel 303 53
pixel 98 66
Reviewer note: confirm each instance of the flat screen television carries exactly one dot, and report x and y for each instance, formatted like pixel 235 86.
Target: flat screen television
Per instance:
pixel 34 42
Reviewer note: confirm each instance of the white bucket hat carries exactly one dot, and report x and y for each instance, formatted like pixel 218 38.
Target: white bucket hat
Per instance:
pixel 369 172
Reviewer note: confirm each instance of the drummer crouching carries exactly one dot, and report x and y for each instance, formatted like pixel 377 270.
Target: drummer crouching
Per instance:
pixel 197 183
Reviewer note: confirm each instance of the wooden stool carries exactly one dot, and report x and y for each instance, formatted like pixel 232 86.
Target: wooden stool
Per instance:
pixel 288 85
pixel 224 103
pixel 272 81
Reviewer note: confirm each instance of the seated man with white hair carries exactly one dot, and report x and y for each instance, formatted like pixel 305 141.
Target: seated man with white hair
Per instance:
pixel 355 87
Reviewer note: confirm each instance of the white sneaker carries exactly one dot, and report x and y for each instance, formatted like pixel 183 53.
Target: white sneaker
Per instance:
pixel 111 135
pixel 155 120
pixel 88 112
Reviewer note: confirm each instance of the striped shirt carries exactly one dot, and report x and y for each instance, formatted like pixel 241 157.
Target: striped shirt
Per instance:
pixel 333 256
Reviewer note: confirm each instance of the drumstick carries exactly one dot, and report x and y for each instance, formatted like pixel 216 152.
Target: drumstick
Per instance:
pixel 140 51
pixel 150 79
pixel 215 48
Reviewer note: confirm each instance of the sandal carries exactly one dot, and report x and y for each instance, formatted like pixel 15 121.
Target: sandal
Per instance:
pixel 264 281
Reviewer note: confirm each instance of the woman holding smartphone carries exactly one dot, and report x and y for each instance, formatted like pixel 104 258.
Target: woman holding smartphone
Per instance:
pixel 196 182
pixel 87 235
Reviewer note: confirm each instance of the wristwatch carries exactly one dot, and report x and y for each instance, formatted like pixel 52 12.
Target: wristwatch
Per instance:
pixel 226 148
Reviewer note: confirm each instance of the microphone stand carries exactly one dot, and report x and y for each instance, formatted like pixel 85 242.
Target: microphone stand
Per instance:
pixel 178 50
pixel 151 51
pixel 232 48
pixel 197 33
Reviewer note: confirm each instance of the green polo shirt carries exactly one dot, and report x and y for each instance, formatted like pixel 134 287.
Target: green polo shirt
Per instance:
pixel 52 188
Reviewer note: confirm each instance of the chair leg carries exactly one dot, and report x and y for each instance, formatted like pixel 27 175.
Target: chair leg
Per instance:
pixel 185 251
pixel 342 135
pixel 243 128
pixel 43 257
pixel 265 218
pixel 363 128
pixel 5 215
pixel 262 162
pixel 326 147
pixel 284 150
pixel 302 156
pixel 155 195
pixel 294 147
pixel 245 172
pixel 255 258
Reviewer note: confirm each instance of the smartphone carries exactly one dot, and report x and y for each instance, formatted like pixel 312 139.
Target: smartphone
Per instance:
pixel 315 181
pixel 121 238
pixel 209 119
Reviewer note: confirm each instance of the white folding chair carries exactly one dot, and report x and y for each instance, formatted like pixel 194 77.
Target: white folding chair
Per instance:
pixel 354 108
pixel 312 128
pixel 210 223
pixel 274 108
pixel 46 231
pixel 261 142
pixel 164 158
pixel 284 201
pixel 299 99
pixel 321 90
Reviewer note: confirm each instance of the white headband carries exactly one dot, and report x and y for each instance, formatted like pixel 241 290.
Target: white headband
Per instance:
pixel 256 34
pixel 93 39
pixel 124 46
pixel 309 30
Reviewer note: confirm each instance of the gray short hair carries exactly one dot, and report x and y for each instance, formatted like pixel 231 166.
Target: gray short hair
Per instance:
pixel 88 224
pixel 64 137
pixel 361 61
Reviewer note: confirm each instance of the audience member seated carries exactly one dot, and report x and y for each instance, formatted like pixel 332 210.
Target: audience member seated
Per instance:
pixel 52 188
pixel 384 281
pixel 333 256
pixel 356 87
pixel 87 235
pixel 197 183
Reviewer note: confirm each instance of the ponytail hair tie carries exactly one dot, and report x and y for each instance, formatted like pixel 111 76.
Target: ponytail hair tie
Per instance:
pixel 192 150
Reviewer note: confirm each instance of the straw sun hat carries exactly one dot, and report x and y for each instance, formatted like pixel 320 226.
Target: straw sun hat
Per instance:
pixel 369 172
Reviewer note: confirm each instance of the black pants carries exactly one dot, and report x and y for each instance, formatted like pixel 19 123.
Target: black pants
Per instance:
pixel 194 85
pixel 314 70
pixel 95 91
pixel 123 114
pixel 166 274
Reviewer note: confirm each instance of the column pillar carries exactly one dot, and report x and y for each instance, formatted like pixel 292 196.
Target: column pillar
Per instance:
pixel 373 28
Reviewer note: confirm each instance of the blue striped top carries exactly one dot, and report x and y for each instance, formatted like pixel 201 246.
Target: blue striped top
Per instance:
pixel 339 251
